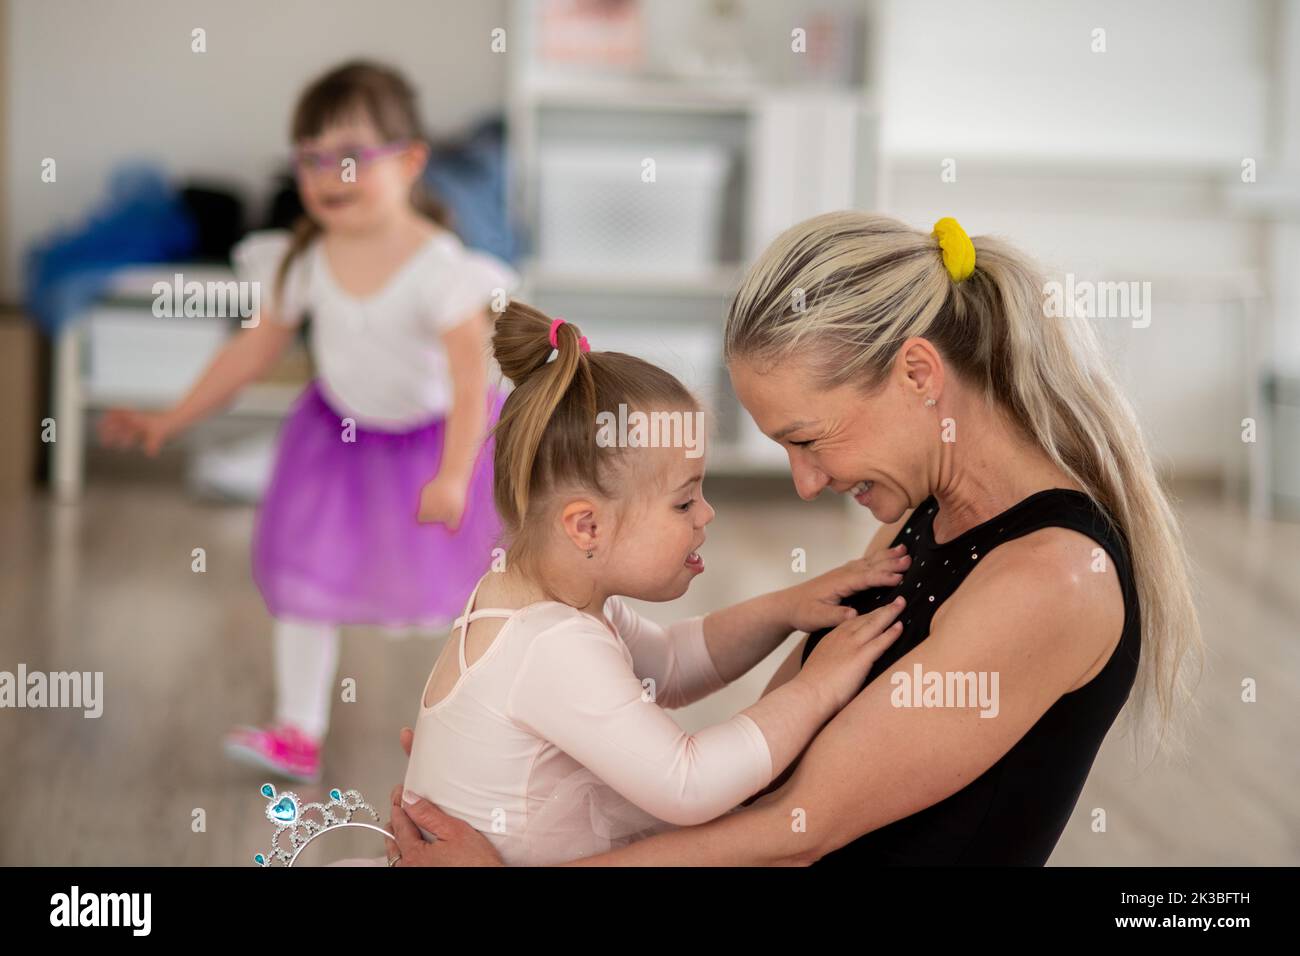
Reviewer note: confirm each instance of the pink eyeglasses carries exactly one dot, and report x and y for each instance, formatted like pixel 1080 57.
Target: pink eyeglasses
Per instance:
pixel 316 160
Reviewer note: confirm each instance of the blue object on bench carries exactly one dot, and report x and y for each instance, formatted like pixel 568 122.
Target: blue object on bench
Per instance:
pixel 142 220
pixel 470 177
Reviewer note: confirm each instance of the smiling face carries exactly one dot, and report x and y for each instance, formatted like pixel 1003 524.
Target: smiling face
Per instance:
pixel 384 172
pixel 879 446
pixel 648 537
pixel 654 555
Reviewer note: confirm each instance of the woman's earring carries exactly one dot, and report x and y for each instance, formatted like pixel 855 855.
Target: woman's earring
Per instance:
pixel 929 403
pixel 588 554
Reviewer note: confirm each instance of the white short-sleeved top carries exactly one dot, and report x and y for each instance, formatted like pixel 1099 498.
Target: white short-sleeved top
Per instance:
pixel 380 358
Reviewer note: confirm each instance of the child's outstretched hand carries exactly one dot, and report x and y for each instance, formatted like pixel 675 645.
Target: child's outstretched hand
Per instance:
pixel 127 428
pixel 442 500
pixel 815 604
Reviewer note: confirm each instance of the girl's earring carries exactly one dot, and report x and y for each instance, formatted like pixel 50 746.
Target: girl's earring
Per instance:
pixel 588 554
pixel 930 403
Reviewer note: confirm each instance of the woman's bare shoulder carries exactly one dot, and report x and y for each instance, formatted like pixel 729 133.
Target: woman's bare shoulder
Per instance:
pixel 1072 581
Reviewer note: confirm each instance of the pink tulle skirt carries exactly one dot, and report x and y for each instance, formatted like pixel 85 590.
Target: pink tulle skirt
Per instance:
pixel 337 538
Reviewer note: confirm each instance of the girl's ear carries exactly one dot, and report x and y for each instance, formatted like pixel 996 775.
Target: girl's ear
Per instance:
pixel 415 158
pixel 579 521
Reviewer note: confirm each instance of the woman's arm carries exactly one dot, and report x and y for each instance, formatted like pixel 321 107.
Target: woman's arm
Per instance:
pixel 1034 615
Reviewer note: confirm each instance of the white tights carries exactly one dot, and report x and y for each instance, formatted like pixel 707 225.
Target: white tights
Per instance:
pixel 306 660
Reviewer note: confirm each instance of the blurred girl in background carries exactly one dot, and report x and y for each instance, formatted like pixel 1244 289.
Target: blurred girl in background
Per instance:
pixel 379 510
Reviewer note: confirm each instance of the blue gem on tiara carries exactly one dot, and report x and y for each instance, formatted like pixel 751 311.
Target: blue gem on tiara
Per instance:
pixel 285 810
pixel 300 820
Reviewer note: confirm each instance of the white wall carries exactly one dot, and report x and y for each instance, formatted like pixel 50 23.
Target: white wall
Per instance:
pixel 1113 166
pixel 1180 80
pixel 95 82
pixel 1110 165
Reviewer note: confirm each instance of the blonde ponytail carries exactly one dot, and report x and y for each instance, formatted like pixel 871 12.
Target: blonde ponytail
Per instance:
pixel 860 285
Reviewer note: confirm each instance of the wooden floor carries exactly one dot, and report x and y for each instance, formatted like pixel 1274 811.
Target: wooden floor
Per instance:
pixel 107 586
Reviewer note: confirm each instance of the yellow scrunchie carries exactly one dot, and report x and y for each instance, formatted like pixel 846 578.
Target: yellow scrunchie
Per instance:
pixel 958 250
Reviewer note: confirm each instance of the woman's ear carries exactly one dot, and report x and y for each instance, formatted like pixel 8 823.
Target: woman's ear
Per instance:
pixel 579 521
pixel 921 368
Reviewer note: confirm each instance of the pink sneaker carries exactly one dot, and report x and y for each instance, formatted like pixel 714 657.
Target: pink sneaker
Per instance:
pixel 280 748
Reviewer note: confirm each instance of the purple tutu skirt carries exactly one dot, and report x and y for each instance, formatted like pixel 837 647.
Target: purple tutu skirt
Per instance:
pixel 337 539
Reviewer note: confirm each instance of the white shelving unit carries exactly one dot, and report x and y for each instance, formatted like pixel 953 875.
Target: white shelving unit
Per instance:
pixel 119 354
pixel 794 152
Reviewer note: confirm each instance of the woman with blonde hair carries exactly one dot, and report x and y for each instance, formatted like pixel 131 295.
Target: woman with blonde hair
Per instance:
pixel 918 373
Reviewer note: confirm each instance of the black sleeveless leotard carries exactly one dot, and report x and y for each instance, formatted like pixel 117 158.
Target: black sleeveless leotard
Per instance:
pixel 1015 811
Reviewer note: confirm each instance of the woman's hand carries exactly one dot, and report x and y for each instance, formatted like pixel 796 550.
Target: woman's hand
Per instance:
pixel 838 665
pixel 457 843
pixel 815 604
pixel 127 428
pixel 442 500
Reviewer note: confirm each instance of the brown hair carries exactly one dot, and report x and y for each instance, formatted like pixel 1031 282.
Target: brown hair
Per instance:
pixel 382 95
pixel 546 434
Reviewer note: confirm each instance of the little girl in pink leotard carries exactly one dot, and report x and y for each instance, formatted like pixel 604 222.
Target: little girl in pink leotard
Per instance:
pixel 543 722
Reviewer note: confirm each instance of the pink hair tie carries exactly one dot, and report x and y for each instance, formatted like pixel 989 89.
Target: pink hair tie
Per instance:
pixel 555 342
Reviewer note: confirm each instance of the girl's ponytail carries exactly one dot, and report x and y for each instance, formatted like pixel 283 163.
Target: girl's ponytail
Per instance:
pixel 304 231
pixel 545 437
pixel 559 395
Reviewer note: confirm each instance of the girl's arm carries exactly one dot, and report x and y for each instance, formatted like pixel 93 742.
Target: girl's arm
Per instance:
pixel 466 346
pixel 443 499
pixel 1029 615
pixel 740 636
pixel 690 659
pixel 575 689
pixel 247 356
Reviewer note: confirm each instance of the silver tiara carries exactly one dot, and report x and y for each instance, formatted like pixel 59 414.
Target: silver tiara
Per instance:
pixel 305 822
